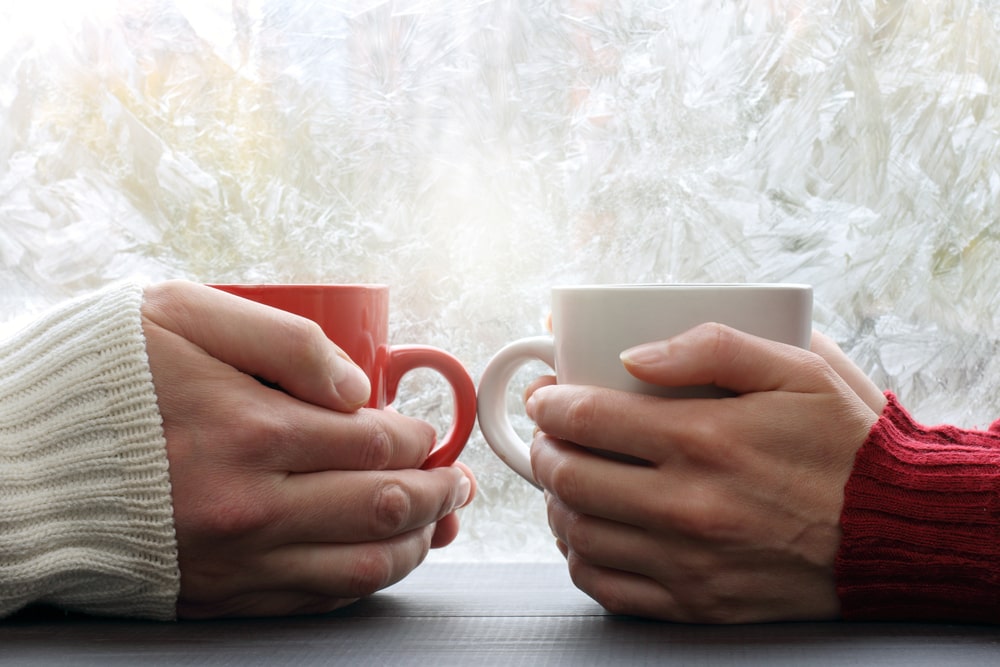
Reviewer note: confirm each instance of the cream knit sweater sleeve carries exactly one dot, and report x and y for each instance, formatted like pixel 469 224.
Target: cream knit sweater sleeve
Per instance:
pixel 86 521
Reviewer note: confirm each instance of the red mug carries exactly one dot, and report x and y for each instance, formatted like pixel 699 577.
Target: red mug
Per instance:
pixel 356 318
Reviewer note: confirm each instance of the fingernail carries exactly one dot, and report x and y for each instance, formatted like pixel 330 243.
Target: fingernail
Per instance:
pixel 646 353
pixel 351 383
pixel 462 493
pixel 529 406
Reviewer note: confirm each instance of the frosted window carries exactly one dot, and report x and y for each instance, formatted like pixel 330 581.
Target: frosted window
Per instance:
pixel 472 154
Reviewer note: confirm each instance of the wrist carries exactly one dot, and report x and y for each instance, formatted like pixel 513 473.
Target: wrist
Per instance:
pixel 86 516
pixel 921 524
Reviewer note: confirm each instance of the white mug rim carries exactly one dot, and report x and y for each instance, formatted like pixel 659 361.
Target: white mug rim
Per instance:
pixel 671 286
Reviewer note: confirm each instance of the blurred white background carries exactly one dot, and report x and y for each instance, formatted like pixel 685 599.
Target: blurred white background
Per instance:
pixel 473 154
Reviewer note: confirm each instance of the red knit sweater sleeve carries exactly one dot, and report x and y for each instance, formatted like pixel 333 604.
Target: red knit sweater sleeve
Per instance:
pixel 921 524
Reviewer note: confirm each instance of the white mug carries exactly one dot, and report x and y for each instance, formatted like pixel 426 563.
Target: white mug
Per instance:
pixel 593 324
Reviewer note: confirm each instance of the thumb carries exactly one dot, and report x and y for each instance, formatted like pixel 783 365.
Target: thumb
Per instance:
pixel 271 344
pixel 714 354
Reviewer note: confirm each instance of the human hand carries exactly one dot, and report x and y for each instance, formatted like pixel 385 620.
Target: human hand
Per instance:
pixel 822 345
pixel 291 501
pixel 736 516
pixel 855 378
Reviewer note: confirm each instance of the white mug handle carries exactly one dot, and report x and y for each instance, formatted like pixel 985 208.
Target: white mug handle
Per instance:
pixel 494 422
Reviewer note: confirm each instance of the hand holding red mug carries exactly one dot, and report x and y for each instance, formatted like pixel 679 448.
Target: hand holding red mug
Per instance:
pixel 291 501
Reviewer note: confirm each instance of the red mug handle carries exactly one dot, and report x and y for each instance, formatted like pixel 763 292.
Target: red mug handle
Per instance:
pixel 404 358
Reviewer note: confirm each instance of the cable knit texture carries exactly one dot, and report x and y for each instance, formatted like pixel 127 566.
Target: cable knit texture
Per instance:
pixel 86 520
pixel 921 524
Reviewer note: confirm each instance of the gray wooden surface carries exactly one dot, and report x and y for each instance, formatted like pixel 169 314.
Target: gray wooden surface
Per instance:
pixel 484 614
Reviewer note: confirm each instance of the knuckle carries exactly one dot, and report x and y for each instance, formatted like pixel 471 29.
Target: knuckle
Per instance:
pixel 273 427
pixel 610 596
pixel 707 605
pixel 578 537
pixel 391 443
pixel 565 481
pixel 708 519
pixel 817 369
pixel 717 341
pixel 706 435
pixel 714 333
pixel 231 518
pixel 170 302
pixel 167 291
pixel 273 431
pixel 372 570
pixel 416 440
pixel 378 448
pixel 725 344
pixel 707 444
pixel 578 570
pixel 700 589
pixel 392 508
pixel 305 338
pixel 581 411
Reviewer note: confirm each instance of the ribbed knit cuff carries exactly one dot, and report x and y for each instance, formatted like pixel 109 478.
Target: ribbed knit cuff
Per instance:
pixel 921 524
pixel 86 520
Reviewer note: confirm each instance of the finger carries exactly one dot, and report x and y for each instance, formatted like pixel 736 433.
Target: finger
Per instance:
pixel 447 527
pixel 860 383
pixel 304 576
pixel 538 383
pixel 714 354
pixel 633 425
pixel 257 604
pixel 708 588
pixel 623 593
pixel 279 347
pixel 358 507
pixel 608 543
pixel 348 570
pixel 582 480
pixel 474 484
pixel 301 438
pixel 445 531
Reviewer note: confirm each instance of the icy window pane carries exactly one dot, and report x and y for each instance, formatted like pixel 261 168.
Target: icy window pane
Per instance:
pixel 472 154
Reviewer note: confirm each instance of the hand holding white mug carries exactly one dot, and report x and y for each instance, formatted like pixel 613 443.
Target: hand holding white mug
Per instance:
pixel 593 324
pixel 735 518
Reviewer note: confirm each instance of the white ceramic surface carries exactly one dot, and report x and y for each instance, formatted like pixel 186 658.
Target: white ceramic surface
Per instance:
pixel 593 324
